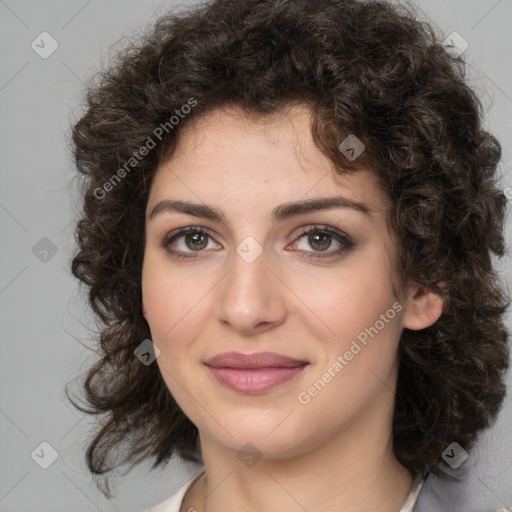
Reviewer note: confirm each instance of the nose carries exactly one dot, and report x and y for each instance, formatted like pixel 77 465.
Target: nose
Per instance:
pixel 251 296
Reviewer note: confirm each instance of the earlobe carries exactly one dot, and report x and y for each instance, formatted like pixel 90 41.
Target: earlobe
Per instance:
pixel 423 308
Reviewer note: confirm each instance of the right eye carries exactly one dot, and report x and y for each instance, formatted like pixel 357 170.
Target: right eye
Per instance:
pixel 188 240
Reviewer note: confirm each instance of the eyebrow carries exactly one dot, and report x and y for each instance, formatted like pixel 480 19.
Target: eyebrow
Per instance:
pixel 279 213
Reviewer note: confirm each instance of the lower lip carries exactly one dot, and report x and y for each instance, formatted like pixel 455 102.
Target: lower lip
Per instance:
pixel 256 380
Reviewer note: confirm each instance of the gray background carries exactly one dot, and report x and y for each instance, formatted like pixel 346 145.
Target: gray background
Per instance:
pixel 45 321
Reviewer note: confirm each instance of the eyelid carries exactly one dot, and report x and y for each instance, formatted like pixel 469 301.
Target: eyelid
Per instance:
pixel 320 227
pixel 175 234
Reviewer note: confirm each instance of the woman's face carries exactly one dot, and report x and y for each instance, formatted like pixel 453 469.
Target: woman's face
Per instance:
pixel 248 277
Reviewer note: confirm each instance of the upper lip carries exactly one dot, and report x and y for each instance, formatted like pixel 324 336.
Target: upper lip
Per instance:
pixel 256 360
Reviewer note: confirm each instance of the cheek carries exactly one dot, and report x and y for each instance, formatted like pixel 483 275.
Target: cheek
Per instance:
pixel 171 300
pixel 342 305
pixel 176 306
pixel 355 316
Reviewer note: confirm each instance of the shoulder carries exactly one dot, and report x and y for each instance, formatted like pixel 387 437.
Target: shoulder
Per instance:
pixel 456 492
pixel 174 502
pixel 408 506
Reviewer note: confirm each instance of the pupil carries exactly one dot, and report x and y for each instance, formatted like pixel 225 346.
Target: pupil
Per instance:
pixel 196 239
pixel 314 240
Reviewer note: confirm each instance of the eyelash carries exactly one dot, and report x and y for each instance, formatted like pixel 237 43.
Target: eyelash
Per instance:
pixel 345 241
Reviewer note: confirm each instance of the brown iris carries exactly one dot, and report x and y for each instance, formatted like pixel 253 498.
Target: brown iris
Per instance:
pixel 199 241
pixel 313 240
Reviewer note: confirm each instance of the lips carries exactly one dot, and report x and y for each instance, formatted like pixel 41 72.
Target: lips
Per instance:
pixel 251 361
pixel 254 373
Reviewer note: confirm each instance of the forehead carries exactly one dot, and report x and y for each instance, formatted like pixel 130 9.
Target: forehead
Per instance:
pixel 231 155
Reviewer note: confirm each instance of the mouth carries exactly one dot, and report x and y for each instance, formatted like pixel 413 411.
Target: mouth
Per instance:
pixel 254 373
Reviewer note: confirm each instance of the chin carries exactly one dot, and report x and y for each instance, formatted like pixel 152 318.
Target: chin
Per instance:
pixel 271 436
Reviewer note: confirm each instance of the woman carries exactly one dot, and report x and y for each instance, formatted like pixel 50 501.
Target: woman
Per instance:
pixel 290 213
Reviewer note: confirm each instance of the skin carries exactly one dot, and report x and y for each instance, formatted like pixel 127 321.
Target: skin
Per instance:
pixel 336 450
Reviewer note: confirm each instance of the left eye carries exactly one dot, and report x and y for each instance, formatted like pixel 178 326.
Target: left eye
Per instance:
pixel 321 239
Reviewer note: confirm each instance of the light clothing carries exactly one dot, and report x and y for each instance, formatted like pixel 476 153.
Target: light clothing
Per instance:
pixel 173 504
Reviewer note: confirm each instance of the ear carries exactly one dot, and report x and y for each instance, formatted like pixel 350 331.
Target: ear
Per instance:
pixel 423 308
pixel 143 309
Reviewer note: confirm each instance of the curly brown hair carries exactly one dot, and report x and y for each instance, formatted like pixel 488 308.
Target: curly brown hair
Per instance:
pixel 366 68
